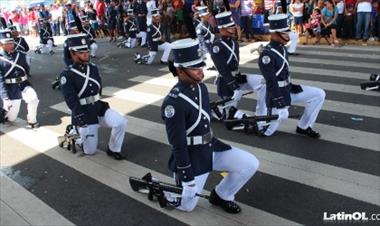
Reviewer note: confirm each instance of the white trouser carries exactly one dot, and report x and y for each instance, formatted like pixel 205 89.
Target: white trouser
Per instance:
pixel 46 48
pixel 254 83
pixel 257 84
pixel 151 55
pixel 29 95
pixel 142 35
pixel 293 42
pixel 208 60
pixel 28 59
pixel 148 20
pixel 93 48
pixel 166 47
pixel 313 99
pixel 131 43
pixel 240 166
pixel 89 134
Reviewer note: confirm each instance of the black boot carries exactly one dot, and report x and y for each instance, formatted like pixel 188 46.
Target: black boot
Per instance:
pixel 116 155
pixel 35 125
pixel 308 132
pixel 228 206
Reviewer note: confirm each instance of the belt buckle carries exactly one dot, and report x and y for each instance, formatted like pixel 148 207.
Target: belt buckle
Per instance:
pixel 19 79
pixel 197 140
pixel 90 100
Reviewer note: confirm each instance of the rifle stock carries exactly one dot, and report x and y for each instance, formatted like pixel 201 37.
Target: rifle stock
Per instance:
pixel 68 140
pixel 375 85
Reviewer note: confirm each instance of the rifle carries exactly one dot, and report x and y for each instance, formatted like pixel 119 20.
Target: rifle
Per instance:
pixel 56 83
pixel 156 188
pixel 370 85
pixel 68 140
pixel 373 84
pixel 214 105
pixel 259 49
pixel 250 122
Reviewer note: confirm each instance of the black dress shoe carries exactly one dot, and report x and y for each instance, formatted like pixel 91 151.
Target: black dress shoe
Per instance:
pixel 308 132
pixel 35 125
pixel 228 206
pixel 164 62
pixel 294 54
pixel 116 155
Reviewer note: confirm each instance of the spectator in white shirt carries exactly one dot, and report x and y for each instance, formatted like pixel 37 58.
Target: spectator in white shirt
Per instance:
pixel 297 11
pixel 363 16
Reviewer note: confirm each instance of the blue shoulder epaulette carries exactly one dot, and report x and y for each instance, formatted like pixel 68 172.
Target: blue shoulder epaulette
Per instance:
pixel 174 92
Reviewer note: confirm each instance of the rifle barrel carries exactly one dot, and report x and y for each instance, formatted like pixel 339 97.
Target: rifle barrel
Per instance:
pixel 259 118
pixel 220 102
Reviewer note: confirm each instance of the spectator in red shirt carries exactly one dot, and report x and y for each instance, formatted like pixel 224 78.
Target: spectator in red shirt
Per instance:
pixel 32 22
pixel 179 17
pixel 349 18
pixel 100 11
pixel 16 19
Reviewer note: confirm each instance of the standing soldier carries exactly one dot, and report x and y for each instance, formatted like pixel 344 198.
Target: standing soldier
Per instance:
pixel 81 86
pixel 89 31
pixel 155 43
pixel 140 10
pixel 280 92
pixel 71 17
pixel 205 33
pixel 195 151
pixel 14 71
pixel 230 82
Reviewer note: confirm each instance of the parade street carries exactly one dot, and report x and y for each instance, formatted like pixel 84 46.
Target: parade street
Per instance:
pixel 300 180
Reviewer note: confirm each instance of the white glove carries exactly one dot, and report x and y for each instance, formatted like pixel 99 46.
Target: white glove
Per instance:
pixel 237 95
pixel 189 189
pixel 7 104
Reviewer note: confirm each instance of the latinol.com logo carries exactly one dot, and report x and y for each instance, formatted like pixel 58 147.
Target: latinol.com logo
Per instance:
pixel 356 216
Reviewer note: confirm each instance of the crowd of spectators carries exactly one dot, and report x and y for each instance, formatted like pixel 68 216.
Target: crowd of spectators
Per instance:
pixel 332 19
pixel 335 19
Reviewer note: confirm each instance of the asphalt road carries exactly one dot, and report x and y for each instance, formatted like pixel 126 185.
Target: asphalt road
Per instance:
pixel 299 179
